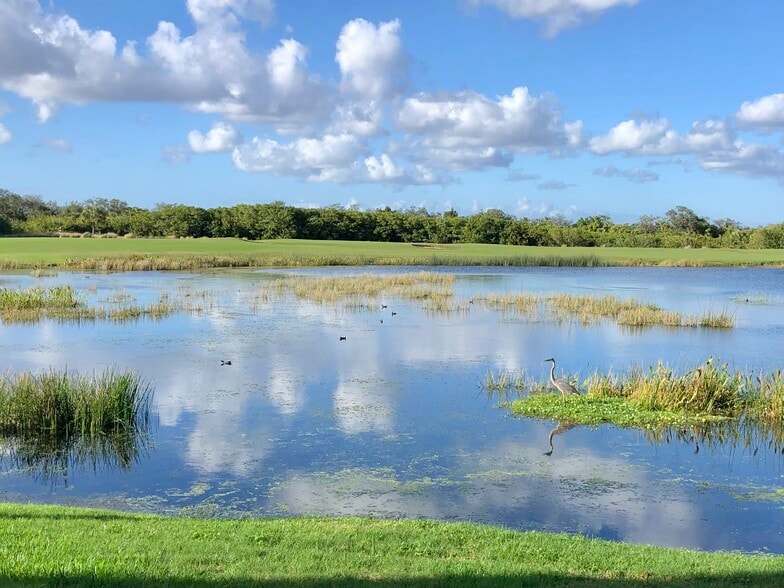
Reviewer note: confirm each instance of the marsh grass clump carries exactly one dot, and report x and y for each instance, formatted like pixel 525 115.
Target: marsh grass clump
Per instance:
pixel 503 381
pixel 709 389
pixel 497 382
pixel 63 303
pixel 54 298
pixel 768 403
pixel 59 404
pixel 157 310
pixel 433 288
pixel 633 313
pixel 522 302
pixel 716 320
pixel 647 316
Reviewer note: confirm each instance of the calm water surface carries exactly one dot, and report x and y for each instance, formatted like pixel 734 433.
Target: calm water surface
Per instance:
pixel 393 421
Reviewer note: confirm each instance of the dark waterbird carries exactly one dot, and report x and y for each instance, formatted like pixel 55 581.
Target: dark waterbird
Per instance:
pixel 225 362
pixel 342 338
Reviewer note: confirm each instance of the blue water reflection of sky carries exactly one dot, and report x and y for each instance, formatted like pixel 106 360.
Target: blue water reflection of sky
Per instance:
pixel 393 421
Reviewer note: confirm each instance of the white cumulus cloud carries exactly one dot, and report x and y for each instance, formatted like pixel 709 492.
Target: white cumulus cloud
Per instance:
pixel 747 159
pixel 331 158
pixel 766 113
pixel 474 131
pixel 221 137
pixel 657 137
pixel 371 59
pixel 5 135
pixel 556 15
pixel 55 61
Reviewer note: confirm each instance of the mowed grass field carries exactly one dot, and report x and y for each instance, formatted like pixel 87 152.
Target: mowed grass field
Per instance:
pixel 131 254
pixel 58 546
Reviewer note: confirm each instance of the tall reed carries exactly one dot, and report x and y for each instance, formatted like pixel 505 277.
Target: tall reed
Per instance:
pixel 711 389
pixel 60 403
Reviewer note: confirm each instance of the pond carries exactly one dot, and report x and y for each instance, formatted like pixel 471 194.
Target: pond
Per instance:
pixel 393 420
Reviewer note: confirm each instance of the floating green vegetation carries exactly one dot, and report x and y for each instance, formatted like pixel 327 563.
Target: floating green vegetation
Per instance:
pixel 594 411
pixel 776 495
pixel 64 303
pixel 661 396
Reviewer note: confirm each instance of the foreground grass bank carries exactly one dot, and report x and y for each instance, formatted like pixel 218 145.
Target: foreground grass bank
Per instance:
pixel 159 254
pixel 56 546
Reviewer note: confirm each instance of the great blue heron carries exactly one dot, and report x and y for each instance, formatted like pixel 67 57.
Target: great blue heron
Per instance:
pixel 563 386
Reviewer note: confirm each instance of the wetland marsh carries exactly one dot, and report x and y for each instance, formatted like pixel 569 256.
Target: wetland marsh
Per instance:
pixel 333 405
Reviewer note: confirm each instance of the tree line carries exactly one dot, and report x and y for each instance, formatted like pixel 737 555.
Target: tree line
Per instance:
pixel 679 227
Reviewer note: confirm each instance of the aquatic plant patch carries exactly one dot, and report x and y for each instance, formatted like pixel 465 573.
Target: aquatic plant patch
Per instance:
pixel 64 303
pixel 662 396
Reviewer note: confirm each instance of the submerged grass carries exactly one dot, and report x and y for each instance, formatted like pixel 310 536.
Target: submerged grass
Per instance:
pixel 64 303
pixel 60 404
pixel 589 309
pixel 433 289
pixel 661 396
pixel 45 545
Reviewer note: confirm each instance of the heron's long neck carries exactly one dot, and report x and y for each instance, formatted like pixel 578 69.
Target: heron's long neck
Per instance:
pixel 552 372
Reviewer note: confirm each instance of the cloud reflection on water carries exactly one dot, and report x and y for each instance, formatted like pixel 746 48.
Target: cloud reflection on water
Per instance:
pixel 341 424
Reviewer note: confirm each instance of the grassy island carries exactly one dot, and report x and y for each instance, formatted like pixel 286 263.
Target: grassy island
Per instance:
pixel 659 396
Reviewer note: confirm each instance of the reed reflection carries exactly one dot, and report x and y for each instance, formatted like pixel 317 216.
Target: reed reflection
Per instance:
pixel 54 421
pixel 53 459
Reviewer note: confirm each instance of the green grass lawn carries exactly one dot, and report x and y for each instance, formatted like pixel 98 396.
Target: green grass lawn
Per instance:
pixel 57 546
pixel 193 253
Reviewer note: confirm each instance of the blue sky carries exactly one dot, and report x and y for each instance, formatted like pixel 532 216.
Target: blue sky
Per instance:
pixel 536 107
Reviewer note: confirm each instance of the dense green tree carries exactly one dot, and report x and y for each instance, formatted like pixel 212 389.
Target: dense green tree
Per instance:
pixel 486 227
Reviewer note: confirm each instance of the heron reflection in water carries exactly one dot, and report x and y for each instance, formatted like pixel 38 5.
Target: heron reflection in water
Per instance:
pixel 561 428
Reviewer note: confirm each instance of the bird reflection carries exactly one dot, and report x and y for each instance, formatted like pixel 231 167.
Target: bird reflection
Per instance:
pixel 561 428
